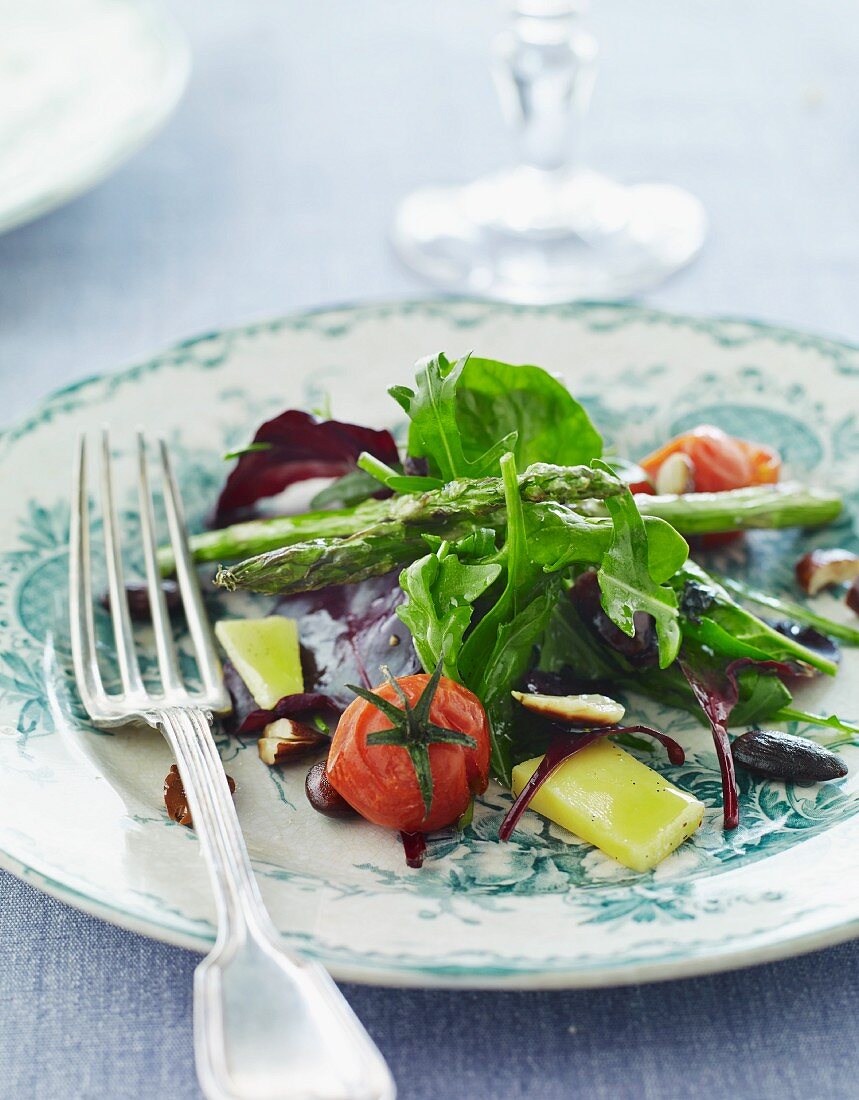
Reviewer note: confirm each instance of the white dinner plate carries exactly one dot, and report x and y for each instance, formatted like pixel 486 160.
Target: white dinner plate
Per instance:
pixel 83 84
pixel 81 813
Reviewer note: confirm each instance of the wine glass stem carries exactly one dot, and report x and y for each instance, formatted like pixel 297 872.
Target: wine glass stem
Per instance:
pixel 545 64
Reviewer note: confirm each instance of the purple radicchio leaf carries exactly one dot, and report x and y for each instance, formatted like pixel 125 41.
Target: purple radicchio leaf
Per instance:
pixel 291 448
pixel 717 690
pixel 347 632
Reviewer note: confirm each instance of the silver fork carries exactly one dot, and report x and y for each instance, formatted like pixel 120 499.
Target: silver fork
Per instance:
pixel 268 1023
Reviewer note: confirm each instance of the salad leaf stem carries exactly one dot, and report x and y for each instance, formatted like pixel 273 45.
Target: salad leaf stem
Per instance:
pixel 394 479
pixel 717 690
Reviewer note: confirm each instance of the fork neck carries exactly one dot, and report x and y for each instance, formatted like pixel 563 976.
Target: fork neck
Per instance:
pixel 239 906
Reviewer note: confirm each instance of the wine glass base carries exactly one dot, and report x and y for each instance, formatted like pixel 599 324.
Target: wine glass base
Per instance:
pixel 534 237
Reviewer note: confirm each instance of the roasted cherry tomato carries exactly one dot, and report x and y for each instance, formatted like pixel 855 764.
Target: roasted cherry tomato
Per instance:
pixel 766 463
pixel 379 781
pixel 721 461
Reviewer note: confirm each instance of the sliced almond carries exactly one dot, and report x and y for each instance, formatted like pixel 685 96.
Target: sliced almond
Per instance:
pixel 818 569
pixel 591 710
pixel 286 740
pixel 676 475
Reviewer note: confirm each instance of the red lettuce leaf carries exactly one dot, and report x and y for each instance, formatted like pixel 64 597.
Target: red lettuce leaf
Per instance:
pixel 347 632
pixel 293 447
pixel 717 689
pixel 248 718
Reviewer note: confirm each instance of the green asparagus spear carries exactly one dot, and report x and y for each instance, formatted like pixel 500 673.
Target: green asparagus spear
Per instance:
pixel 257 536
pixel 453 512
pixel 788 504
pixel 318 563
pixel 465 498
pixel 766 506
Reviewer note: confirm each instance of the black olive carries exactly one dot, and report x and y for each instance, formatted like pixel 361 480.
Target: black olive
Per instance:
pixel 137 594
pixel 322 796
pixel 415 467
pixel 775 755
pixel 695 601
pixel 538 682
pixel 812 639
pixel 641 650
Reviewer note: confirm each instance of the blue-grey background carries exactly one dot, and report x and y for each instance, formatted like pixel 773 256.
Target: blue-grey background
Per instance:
pixel 272 189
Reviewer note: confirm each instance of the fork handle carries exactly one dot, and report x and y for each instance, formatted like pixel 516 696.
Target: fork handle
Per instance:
pixel 268 1023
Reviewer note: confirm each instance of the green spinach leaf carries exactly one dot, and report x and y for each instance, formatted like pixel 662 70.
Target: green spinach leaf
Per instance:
pixel 496 399
pixel 465 415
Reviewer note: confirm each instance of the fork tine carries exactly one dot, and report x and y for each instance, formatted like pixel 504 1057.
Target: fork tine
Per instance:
pixel 81 619
pixel 129 671
pixel 164 645
pixel 195 611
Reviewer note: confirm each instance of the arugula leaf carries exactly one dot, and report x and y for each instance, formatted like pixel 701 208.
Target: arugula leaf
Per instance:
pixel 500 647
pixel 520 571
pixel 559 536
pixel 627 584
pixel 831 721
pixel 465 415
pixel 789 609
pixel 506 665
pixel 731 631
pixel 434 433
pixel 440 592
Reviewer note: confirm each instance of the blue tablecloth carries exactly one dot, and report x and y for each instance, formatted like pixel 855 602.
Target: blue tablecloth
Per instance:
pixel 271 189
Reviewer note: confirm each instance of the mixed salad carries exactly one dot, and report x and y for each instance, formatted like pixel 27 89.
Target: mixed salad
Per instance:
pixel 487 598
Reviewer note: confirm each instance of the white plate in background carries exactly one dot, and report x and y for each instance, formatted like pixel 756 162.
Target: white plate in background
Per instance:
pixel 83 84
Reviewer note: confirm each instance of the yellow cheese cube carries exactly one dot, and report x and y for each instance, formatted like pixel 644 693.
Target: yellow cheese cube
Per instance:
pixel 266 655
pixel 610 799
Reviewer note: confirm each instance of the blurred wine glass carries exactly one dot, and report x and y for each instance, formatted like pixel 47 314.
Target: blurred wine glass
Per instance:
pixel 548 229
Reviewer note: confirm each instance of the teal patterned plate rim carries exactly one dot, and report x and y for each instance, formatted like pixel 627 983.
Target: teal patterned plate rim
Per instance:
pixel 81 815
